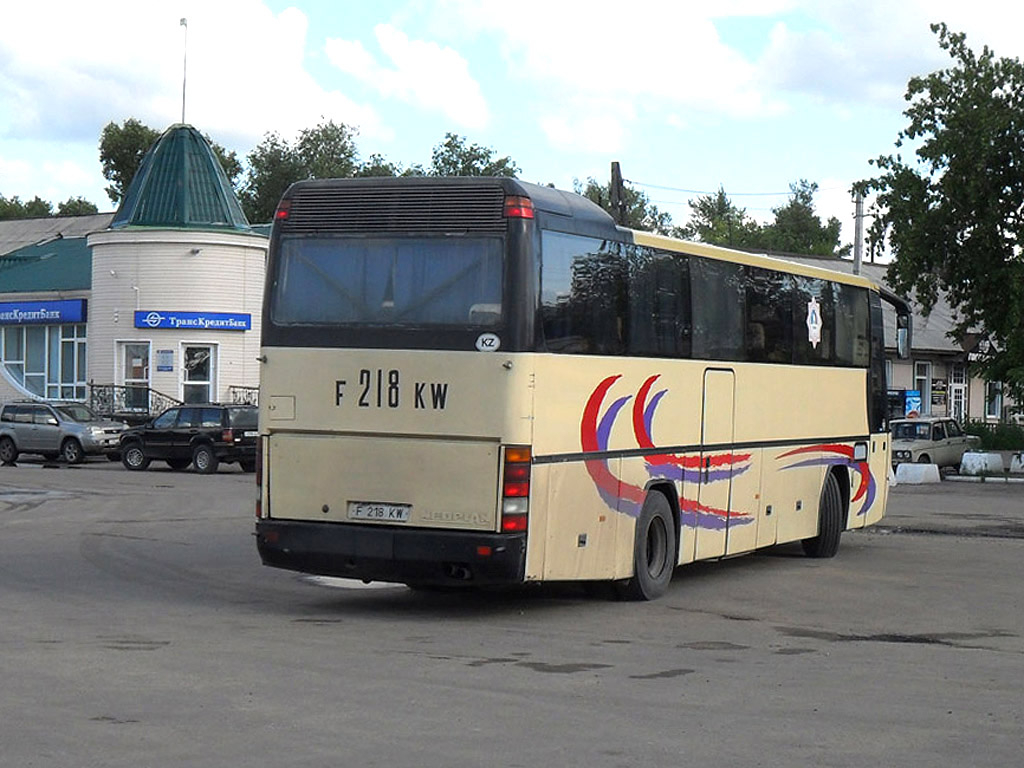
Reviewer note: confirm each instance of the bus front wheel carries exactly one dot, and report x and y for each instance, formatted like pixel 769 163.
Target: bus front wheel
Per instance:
pixel 830 521
pixel 654 551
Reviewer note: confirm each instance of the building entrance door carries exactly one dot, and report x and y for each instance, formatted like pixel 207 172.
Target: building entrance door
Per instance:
pixel 958 393
pixel 199 369
pixel 135 374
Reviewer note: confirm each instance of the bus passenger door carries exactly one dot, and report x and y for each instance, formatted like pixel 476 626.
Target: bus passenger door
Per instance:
pixel 714 496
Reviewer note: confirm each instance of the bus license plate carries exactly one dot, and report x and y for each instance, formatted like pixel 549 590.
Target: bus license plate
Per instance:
pixel 385 513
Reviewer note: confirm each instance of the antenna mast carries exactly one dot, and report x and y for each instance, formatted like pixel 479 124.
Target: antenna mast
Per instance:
pixel 184 66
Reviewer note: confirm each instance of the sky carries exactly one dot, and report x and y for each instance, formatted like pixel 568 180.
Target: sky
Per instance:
pixel 688 96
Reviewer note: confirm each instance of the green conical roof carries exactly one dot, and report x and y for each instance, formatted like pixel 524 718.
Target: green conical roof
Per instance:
pixel 180 184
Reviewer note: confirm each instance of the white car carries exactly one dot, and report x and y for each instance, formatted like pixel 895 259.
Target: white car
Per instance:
pixel 930 440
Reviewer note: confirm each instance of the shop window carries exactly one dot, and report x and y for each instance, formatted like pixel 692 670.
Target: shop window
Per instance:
pixel 33 356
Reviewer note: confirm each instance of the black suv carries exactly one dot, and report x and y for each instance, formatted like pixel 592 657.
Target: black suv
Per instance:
pixel 202 435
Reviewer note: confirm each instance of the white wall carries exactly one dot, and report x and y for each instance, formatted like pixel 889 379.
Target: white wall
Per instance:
pixel 175 270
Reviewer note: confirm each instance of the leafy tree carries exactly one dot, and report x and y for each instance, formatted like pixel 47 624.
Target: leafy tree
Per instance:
pixel 273 166
pixel 377 165
pixel 454 157
pixel 323 152
pixel 952 216
pixel 717 221
pixel 797 229
pixel 76 206
pixel 641 213
pixel 328 151
pixel 14 208
pixel 122 148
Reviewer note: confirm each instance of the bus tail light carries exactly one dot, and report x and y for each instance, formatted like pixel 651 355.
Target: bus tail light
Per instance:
pixel 283 209
pixel 518 207
pixel 515 489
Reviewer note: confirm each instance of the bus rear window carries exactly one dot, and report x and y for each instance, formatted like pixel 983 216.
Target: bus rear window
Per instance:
pixel 413 281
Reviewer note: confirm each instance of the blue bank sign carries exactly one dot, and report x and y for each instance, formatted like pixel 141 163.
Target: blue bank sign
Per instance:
pixel 42 312
pixel 202 321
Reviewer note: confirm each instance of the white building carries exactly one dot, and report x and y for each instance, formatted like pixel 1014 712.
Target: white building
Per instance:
pixel 163 303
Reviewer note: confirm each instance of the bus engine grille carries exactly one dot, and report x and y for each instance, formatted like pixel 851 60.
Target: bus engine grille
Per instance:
pixel 364 209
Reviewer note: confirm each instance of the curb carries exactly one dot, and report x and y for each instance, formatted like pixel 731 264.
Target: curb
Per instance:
pixel 982 479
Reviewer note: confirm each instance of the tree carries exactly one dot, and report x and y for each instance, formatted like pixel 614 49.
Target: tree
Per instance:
pixel 122 148
pixel 797 229
pixel 324 152
pixel 717 221
pixel 953 218
pixel 641 213
pixel 273 166
pixel 377 165
pixel 14 208
pixel 453 157
pixel 76 206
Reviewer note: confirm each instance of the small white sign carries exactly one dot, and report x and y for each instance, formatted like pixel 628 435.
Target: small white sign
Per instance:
pixel 814 322
pixel 488 342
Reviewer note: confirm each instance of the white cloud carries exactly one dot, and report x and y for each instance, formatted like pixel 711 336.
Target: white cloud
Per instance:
pixel 418 72
pixel 588 125
pixel 15 174
pixel 246 71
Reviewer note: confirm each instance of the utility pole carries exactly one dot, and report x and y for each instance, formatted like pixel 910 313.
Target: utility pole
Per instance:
pixel 617 195
pixel 858 233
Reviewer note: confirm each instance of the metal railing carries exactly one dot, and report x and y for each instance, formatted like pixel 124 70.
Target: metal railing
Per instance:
pixel 132 403
pixel 240 395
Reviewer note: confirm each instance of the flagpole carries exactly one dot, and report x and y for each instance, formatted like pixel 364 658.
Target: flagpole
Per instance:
pixel 184 67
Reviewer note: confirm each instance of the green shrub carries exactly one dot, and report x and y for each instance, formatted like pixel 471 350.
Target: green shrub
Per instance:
pixel 997 437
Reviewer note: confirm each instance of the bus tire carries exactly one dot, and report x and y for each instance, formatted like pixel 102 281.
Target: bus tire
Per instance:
pixel 654 551
pixel 830 521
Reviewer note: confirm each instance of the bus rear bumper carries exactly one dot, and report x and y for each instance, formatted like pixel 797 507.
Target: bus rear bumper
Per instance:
pixel 384 553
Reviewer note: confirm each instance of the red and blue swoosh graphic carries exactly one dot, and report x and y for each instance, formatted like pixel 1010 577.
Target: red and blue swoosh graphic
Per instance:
pixel 595 431
pixel 839 455
pixel 619 495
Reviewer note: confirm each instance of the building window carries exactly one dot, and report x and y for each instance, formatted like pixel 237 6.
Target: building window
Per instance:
pixel 993 399
pixel 199 371
pixel 46 360
pixel 958 392
pixel 888 374
pixel 923 384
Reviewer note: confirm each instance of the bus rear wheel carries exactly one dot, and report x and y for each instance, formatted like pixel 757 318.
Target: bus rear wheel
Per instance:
pixel 830 521
pixel 654 551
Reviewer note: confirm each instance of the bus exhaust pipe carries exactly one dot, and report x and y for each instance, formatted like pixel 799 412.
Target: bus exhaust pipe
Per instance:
pixel 458 571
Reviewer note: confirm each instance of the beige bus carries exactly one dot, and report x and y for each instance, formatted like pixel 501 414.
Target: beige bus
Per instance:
pixel 472 382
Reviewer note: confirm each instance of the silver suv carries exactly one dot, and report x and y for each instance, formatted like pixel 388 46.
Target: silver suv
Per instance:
pixel 70 431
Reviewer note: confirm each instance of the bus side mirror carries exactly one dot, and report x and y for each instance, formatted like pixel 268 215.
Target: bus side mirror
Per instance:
pixel 903 336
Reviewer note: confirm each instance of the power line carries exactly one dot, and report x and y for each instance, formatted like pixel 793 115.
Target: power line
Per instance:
pixel 715 192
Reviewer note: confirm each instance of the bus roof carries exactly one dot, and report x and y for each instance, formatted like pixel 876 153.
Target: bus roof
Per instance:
pixel 569 212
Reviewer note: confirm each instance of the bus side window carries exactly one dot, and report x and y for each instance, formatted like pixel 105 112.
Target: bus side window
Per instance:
pixel 852 326
pixel 769 316
pixel 717 291
pixel 805 352
pixel 659 304
pixel 584 294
